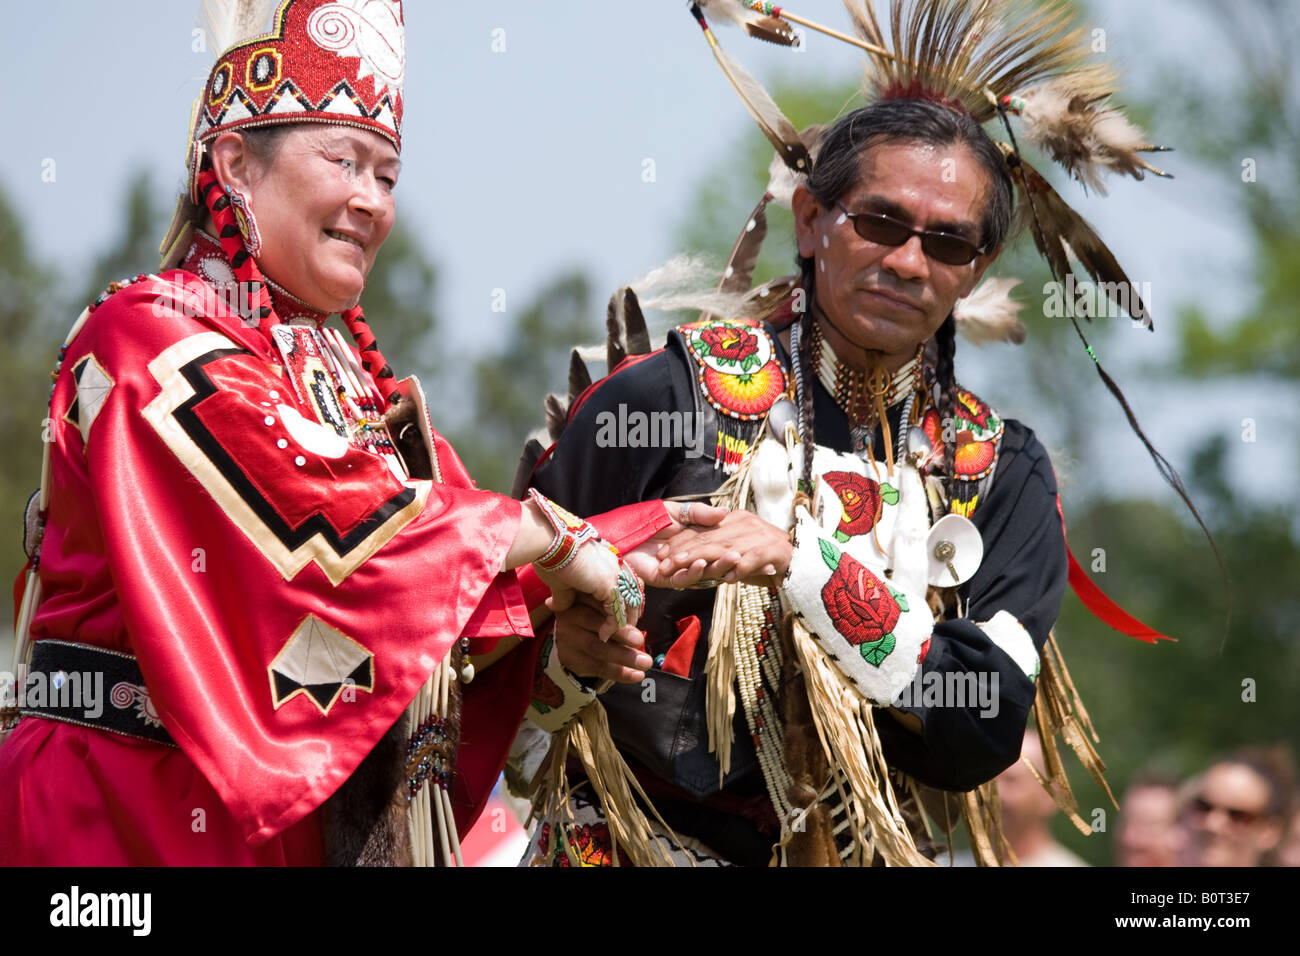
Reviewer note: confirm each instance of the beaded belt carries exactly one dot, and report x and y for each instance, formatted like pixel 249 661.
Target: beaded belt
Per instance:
pixel 67 682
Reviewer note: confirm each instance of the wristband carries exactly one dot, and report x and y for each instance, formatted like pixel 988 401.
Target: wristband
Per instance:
pixel 571 532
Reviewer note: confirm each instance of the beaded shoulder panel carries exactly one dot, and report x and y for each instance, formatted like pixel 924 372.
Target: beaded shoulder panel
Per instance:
pixel 979 438
pixel 736 366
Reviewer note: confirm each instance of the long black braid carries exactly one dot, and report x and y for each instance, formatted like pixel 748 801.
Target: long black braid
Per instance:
pixel 946 340
pixel 809 374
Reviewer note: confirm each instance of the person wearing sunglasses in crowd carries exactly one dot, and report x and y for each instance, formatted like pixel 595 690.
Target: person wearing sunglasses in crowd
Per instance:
pixel 907 205
pixel 1236 812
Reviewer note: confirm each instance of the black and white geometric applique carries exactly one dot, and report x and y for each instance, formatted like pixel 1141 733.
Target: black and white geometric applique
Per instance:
pixel 384 112
pixel 287 99
pixel 319 661
pixel 343 101
pixel 93 386
pixel 237 109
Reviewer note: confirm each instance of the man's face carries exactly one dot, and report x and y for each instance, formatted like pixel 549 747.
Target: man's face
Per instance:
pixel 890 299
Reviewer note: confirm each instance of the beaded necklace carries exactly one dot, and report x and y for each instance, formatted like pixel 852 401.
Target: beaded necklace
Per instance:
pixel 864 396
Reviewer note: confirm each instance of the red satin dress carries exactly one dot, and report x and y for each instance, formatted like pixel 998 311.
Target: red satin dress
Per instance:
pixel 191 526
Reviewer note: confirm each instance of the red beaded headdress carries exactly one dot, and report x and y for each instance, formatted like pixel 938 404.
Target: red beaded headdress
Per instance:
pixel 296 61
pixel 321 62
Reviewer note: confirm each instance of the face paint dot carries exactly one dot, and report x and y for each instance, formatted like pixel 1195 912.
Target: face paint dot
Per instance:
pixel 282 444
pixel 826 242
pixel 269 420
pixel 823 265
pixel 842 220
pixel 300 461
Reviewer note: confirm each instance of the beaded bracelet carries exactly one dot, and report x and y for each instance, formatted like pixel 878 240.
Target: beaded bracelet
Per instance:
pixel 571 532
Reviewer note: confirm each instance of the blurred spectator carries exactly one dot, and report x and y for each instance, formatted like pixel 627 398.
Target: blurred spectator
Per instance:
pixel 1235 813
pixel 1026 809
pixel 1288 853
pixel 1148 833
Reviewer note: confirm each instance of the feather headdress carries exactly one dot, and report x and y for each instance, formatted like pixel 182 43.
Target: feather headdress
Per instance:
pixel 753 21
pixel 991 58
pixel 1070 119
pixel 232 21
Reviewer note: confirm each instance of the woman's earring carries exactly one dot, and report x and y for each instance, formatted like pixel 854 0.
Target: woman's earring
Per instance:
pixel 247 222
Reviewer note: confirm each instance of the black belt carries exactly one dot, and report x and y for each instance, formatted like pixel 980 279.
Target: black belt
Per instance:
pixel 92 687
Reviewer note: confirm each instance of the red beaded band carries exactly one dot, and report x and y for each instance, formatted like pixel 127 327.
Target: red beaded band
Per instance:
pixel 571 532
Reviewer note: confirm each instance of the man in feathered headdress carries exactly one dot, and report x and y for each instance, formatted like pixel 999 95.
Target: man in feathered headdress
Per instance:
pixel 888 582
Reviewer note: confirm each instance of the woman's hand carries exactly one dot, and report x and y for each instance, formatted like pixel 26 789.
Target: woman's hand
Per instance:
pixel 596 571
pixel 622 658
pixel 741 547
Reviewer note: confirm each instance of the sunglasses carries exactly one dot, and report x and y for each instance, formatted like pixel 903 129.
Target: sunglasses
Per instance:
pixel 941 246
pixel 1201 807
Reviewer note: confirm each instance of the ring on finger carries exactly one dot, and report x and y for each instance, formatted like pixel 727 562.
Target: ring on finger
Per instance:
pixel 684 512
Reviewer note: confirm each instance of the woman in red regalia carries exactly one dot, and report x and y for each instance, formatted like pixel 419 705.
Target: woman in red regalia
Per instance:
pixel 257 556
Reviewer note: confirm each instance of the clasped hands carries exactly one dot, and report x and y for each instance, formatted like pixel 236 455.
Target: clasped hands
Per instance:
pixel 702 543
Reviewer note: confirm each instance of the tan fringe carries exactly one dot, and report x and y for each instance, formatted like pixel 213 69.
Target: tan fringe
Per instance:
pixel 614 785
pixel 552 796
pixel 720 676
pixel 720 665
pixel 1059 660
pixel 1058 709
pixel 993 822
pixel 973 816
pixel 848 736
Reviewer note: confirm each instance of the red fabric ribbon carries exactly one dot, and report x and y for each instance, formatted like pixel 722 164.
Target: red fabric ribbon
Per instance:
pixel 1102 607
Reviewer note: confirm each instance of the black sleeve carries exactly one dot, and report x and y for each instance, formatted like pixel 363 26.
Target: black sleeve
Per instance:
pixel 1023 573
pixel 600 461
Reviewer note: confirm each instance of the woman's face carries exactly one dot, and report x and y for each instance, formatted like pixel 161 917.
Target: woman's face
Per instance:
pixel 324 206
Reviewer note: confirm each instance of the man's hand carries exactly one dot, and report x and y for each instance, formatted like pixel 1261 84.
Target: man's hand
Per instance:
pixel 686 516
pixel 741 547
pixel 577 641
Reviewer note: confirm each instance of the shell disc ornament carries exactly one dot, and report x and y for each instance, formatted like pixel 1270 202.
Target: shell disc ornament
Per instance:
pixel 955 549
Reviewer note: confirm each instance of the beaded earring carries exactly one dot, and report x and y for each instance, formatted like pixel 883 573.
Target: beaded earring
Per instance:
pixel 259 312
pixel 247 222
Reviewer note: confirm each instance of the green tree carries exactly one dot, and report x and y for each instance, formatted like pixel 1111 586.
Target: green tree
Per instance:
pixel 1181 705
pixel 511 382
pixel 1248 132
pixel 28 322
pixel 134 247
pixel 399 305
